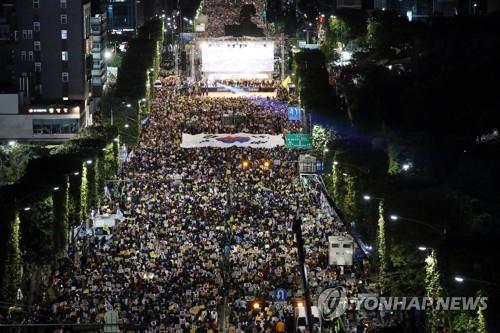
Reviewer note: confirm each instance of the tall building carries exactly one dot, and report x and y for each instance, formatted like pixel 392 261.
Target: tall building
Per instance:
pixel 125 15
pixel 98 24
pixel 49 48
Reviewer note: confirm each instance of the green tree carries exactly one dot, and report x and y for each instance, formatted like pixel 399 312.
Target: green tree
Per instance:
pixel 382 253
pixel 37 228
pixel 433 289
pixel 61 217
pixel 11 280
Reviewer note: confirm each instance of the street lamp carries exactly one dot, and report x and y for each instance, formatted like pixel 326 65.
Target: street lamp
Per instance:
pixel 126 125
pixel 441 232
pixel 368 197
pixel 129 105
pixel 12 143
pixel 423 248
pixel 76 173
pixel 461 279
pixel 27 209
pixel 89 162
pixel 56 188
pixel 108 54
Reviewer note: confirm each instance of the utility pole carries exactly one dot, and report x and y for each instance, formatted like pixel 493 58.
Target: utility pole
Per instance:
pixel 297 228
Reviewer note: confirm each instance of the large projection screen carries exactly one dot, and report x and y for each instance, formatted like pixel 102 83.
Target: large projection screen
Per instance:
pixel 237 59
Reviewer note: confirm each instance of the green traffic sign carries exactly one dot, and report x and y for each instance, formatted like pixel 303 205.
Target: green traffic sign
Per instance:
pixel 298 141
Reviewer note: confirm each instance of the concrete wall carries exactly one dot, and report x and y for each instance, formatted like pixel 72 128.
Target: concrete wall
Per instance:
pixel 9 104
pixel 20 127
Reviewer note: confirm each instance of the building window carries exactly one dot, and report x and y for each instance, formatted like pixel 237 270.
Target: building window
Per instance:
pixel 55 126
pixel 36 26
pixel 64 19
pixel 64 34
pixel 38 67
pixel 30 34
pixel 63 4
pixel 36 3
pixel 23 55
pixel 65 77
pixel 37 46
pixel 64 55
pixel 25 34
pixel 30 55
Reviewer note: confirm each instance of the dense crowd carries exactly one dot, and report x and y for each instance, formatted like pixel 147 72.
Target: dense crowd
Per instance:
pixel 227 12
pixel 205 230
pixel 248 83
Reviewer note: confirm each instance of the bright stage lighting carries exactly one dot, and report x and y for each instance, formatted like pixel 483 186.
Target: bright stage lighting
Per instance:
pixel 239 57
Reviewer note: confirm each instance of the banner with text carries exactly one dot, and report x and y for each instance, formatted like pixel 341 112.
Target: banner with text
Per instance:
pixel 231 140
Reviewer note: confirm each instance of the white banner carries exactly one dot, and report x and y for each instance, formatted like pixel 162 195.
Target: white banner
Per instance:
pixel 232 140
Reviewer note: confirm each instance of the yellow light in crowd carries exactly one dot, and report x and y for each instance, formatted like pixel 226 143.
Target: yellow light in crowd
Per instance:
pixel 267 164
pixel 300 304
pixel 245 164
pixel 256 305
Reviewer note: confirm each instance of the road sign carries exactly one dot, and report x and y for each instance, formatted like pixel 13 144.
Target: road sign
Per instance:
pixel 293 113
pixel 280 295
pixel 298 141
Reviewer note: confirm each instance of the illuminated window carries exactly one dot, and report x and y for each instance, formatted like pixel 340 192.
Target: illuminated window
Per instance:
pixel 64 34
pixel 36 26
pixel 38 67
pixel 64 55
pixel 65 77
pixel 37 46
pixel 63 4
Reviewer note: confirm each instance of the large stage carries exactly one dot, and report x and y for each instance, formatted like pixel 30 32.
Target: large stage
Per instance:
pixel 218 94
pixel 230 58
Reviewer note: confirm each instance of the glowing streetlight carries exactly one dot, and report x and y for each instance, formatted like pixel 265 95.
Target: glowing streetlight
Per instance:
pixel 367 197
pixel 27 209
pixel 12 143
pixel 406 166
pixel 76 173
pixel 129 105
pixel 116 139
pixel 56 188
pixel 422 248
pixel 394 217
pixel 459 279
pixel 108 55
pixel 126 125
pixel 89 162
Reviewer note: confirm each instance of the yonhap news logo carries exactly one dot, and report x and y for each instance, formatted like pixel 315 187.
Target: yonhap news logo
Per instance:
pixel 333 303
